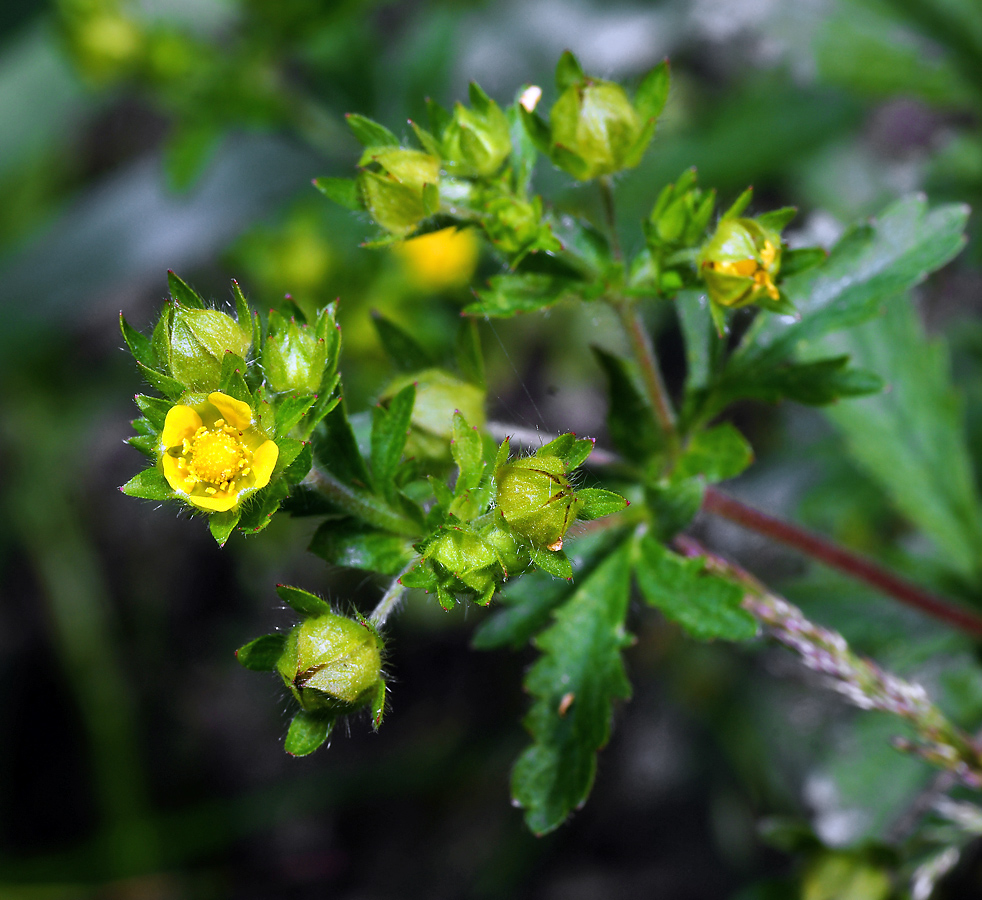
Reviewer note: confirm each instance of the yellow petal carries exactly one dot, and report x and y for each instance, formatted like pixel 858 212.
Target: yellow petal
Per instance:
pixel 263 461
pixel 181 423
pixel 221 502
pixel 175 475
pixel 235 412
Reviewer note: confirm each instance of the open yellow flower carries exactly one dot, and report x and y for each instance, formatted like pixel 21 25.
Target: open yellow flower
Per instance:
pixel 213 454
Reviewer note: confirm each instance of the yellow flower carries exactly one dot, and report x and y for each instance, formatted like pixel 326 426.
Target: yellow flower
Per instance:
pixel 213 454
pixel 441 259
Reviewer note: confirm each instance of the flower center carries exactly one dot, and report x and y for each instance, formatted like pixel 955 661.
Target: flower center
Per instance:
pixel 216 455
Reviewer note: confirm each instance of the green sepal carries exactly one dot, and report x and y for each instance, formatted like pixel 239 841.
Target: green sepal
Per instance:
pixel 243 313
pixel 537 130
pixel 598 503
pixel 289 450
pixel 303 602
pixel 442 494
pixel 570 161
pixel 509 295
pixel 222 524
pixel 289 412
pixel 636 152
pixel 139 344
pixel 718 315
pixel 430 144
pixel 650 97
pixel 402 349
pixel 300 467
pixel 147 444
pixel 232 381
pixel 169 387
pixel 467 450
pixel 715 454
pixel 568 71
pixel 343 191
pixel 378 704
pixel 558 446
pixel 630 420
pixel 390 429
pixel 263 653
pixel 431 199
pixel 181 293
pixel 739 205
pixel 705 605
pixel 553 562
pixel 370 133
pixel 420 577
pixel 148 484
pixel 154 409
pixel 308 731
pixel 445 598
pixel 262 506
pixel 346 542
pixel 777 219
pixel 801 259
pixel 439 117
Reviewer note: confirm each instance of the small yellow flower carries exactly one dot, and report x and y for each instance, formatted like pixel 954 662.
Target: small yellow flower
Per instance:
pixel 213 454
pixel 759 271
pixel 440 260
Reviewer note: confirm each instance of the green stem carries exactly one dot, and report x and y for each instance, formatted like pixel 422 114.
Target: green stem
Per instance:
pixel 610 217
pixel 359 504
pixel 390 599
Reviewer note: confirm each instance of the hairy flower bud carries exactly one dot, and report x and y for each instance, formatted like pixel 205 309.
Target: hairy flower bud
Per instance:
pixel 537 500
pixel 394 186
pixel 196 341
pixel 477 140
pixel 299 357
pixel 740 262
pixel 333 664
pixel 515 226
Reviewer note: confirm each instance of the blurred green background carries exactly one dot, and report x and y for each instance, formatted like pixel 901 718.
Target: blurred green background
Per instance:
pixel 137 759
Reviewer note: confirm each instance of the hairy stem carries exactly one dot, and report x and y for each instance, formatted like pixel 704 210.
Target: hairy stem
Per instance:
pixel 390 599
pixel 360 504
pixel 836 556
pixel 610 217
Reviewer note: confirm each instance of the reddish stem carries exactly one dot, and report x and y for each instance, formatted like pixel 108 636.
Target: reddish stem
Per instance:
pixel 837 557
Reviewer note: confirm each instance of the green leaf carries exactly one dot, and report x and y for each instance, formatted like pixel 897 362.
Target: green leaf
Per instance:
pixel 262 654
pixel 420 577
pixel 370 133
pixel 554 562
pixel 700 336
pixel 579 452
pixel 303 602
pixel 568 71
pixel 308 731
pixel 139 344
pixel 777 219
pixel 336 449
pixel 650 97
pixel 181 293
pixel 537 130
pixel 707 607
pixel 149 484
pixel 289 412
pixel 716 454
pixel 673 503
pixel 467 349
pixel 222 524
pixel 154 409
pixel 188 152
pixel 910 440
pixel 299 468
pixel 630 420
pixel 509 295
pixel 402 348
pixel 343 191
pixel 574 684
pixel 344 542
pixel 801 259
pixel 390 428
pixel 598 503
pixel 523 149
pixel 468 452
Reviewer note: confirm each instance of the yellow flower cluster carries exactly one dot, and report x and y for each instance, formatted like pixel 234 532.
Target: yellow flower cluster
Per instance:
pixel 213 454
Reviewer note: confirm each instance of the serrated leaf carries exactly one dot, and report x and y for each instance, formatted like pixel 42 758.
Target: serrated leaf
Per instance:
pixel 630 421
pixel 149 484
pixel 911 439
pixel 348 543
pixel 370 133
pixel 262 654
pixel 390 429
pixel 468 452
pixel 222 524
pixel 336 449
pixel 574 683
pixel 706 606
pixel 509 295
pixel 169 387
pixel 701 339
pixel 303 602
pixel 308 731
pixel 715 454
pixel 181 293
pixel 553 562
pixel 403 350
pixel 672 504
pixel 139 344
pixel 650 97
pixel 343 191
pixel 598 503
pixel 289 412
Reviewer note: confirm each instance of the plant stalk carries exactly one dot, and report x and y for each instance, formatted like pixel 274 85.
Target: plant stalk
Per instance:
pixel 359 504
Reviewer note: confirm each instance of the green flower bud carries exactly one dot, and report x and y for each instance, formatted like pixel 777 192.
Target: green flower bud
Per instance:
pixel 537 500
pixel 595 129
pixel 300 357
pixel 333 664
pixel 740 262
pixel 467 557
pixel 196 341
pixel 395 186
pixel 478 140
pixel 516 227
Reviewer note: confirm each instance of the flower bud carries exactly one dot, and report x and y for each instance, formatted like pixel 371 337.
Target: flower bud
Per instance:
pixel 298 357
pixel 515 226
pixel 478 140
pixel 393 188
pixel 333 664
pixel 597 129
pixel 537 500
pixel 196 343
pixel 740 262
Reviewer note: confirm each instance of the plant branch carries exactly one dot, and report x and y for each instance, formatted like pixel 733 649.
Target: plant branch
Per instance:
pixel 838 557
pixel 607 199
pixel 358 503
pixel 390 599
